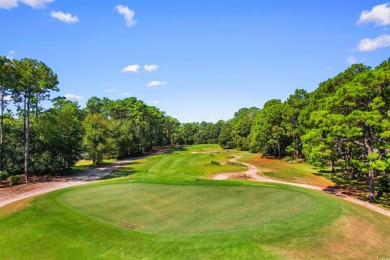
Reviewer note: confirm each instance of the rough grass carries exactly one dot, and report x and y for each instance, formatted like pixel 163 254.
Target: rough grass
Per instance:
pixel 281 170
pixel 85 164
pixel 16 206
pixel 89 163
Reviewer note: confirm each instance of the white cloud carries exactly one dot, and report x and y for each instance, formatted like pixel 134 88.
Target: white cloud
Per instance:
pixel 151 67
pixel 127 14
pixel 111 90
pixel 373 44
pixel 7 98
pixel 154 101
pixel 380 15
pixel 351 60
pixel 37 3
pixel 131 68
pixel 64 17
pixel 73 97
pixel 8 4
pixel 126 94
pixel 156 83
pixel 10 55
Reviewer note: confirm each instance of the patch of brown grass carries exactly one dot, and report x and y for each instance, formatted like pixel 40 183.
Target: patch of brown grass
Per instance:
pixel 349 237
pixel 281 170
pixel 16 206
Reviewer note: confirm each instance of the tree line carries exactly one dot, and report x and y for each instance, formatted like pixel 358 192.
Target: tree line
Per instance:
pixel 344 122
pixel 38 141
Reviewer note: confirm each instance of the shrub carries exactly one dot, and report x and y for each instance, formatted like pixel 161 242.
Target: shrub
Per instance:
pixel 235 163
pixel 215 163
pixel 288 158
pixel 14 179
pixel 297 161
pixel 3 175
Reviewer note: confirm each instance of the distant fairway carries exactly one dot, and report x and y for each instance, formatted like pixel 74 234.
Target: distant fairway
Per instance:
pixel 174 212
pixel 188 209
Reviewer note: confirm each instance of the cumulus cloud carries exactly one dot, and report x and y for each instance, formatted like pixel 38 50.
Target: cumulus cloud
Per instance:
pixel 373 44
pixel 37 3
pixel 351 60
pixel 131 68
pixel 10 55
pixel 156 83
pixel 127 14
pixel 8 4
pixel 73 97
pixel 126 94
pixel 151 67
pixel 380 15
pixel 154 101
pixel 64 17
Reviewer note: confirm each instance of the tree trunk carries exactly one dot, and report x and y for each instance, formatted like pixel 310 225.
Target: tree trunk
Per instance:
pixel 368 145
pixel 371 185
pixel 1 131
pixel 353 175
pixel 297 152
pixel 27 133
pixel 332 167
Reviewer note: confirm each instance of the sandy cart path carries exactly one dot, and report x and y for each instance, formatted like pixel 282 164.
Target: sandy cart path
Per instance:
pixel 20 192
pixel 254 173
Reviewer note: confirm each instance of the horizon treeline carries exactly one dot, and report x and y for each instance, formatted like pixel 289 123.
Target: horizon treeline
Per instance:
pixel 345 122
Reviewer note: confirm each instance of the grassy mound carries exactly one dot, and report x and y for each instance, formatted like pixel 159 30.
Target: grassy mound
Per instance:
pixel 172 213
pixel 188 209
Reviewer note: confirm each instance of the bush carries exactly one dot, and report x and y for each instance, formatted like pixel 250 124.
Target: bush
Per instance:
pixel 297 161
pixel 215 163
pixel 288 158
pixel 235 163
pixel 3 175
pixel 15 179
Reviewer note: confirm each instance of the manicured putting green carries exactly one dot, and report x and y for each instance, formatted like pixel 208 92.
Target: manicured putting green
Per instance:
pixel 187 209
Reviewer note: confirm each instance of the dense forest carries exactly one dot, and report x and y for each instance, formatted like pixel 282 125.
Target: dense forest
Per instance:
pixel 344 123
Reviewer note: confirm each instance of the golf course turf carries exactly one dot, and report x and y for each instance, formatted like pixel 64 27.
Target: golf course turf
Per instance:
pixel 168 214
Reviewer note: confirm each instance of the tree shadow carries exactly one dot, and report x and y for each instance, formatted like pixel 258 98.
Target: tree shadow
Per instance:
pixel 120 172
pixel 173 149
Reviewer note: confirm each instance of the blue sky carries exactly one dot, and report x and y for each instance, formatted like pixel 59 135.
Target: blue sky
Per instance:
pixel 204 59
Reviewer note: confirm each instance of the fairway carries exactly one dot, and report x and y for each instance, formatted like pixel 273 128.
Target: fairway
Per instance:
pixel 188 209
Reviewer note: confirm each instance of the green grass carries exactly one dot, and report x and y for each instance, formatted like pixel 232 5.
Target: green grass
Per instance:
pixel 85 164
pixel 89 163
pixel 188 209
pixel 193 163
pixel 173 212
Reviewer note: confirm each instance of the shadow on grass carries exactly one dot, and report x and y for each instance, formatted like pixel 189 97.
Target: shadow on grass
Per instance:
pixel 121 172
pixel 353 187
pixel 173 149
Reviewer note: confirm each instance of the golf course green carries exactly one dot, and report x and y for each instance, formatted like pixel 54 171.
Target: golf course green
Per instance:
pixel 172 210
